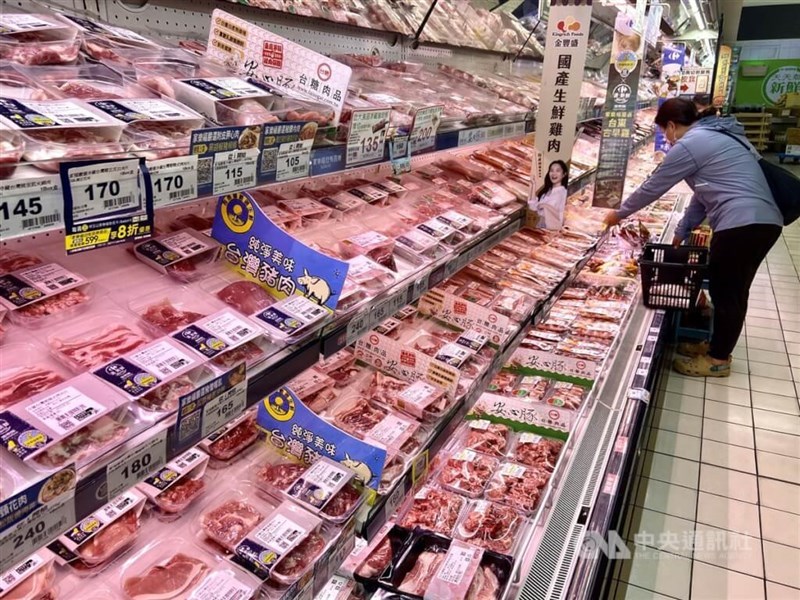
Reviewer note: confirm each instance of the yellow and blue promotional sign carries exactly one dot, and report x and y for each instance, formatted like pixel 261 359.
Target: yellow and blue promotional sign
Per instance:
pixel 293 429
pixel 266 254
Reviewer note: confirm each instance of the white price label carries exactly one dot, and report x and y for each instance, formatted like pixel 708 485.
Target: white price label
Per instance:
pixel 358 326
pixel 37 529
pixel 224 408
pixel 137 464
pixel 367 137
pixel 221 585
pixel 472 136
pixel 174 180
pixel 394 500
pixel 639 394
pixel 104 187
pixel 385 309
pixel 235 170
pixel 294 159
pixel 30 205
pixel 423 132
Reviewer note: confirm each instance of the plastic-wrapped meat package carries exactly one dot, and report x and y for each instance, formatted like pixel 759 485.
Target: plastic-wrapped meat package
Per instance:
pixel 179 496
pixel 488 438
pixel 157 72
pixel 585 350
pixel 168 570
pixel 245 296
pixel 86 82
pixel 166 397
pixel 517 486
pixel 28 50
pixel 341 367
pixel 33 315
pixel 308 209
pixel 315 113
pixel 419 399
pixel 232 440
pixel 356 414
pixel 425 566
pixel 110 541
pixel 558 321
pixel 15 85
pixel 369 274
pixel 251 353
pixel 467 472
pixel 96 340
pixel 531 388
pixel 315 389
pixel 228 522
pixel 24 374
pixel 374 560
pixel 490 525
pixel 433 509
pixel 36 584
pixel 87 441
pixel 514 304
pixel 283 219
pixel 537 451
pixel 464 168
pixel 593 329
pixel 492 194
pixel 504 383
pixel 166 317
pixel 244 111
pixel 566 395
pixel 12 148
pixel 603 310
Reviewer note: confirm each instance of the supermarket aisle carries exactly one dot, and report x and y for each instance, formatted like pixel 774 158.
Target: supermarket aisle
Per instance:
pixel 717 507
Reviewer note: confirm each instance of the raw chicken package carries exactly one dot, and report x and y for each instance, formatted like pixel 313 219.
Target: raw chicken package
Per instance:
pixel 32 579
pixel 177 485
pixel 185 255
pixel 70 422
pixel 173 568
pixel 41 295
pixel 102 536
pixel 326 487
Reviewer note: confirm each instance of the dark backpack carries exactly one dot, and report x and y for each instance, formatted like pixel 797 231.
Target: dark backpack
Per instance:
pixel 784 186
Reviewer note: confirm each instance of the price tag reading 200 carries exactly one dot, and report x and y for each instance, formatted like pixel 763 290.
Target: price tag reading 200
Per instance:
pixel 367 137
pixel 102 188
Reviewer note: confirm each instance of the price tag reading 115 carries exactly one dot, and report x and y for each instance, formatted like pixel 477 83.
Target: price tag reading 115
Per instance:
pixel 106 187
pixel 367 137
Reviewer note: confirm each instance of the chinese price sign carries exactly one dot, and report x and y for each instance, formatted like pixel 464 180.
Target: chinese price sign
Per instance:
pixel 367 137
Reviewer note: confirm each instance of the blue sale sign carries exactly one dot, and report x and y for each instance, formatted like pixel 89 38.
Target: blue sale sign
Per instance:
pixel 264 253
pixel 292 428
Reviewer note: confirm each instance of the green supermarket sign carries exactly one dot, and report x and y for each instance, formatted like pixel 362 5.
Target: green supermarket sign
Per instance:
pixel 779 83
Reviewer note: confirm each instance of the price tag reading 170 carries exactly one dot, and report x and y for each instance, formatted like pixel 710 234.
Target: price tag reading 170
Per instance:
pixel 137 464
pixel 105 187
pixel 225 407
pixel 174 179
pixel 367 137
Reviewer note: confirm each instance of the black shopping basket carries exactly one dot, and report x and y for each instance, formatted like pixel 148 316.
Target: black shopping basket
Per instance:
pixel 672 277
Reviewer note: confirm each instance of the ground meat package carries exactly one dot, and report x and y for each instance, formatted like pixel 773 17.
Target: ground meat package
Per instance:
pixel 25 371
pixel 42 295
pixel 186 255
pixel 231 442
pixel 173 568
pixel 102 536
pixel 326 488
pixel 33 578
pixel 177 485
pixel 70 422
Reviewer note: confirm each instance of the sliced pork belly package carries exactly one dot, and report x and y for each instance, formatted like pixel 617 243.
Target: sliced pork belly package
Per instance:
pixel 27 369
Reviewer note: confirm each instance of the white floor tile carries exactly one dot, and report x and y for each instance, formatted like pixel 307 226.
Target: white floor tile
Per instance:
pixel 685 404
pixel 792 336
pixel 660 572
pixel 723 393
pixel 776 421
pixel 781 527
pixel 671 420
pixel 773 386
pixel 776 466
pixel 729 457
pixel 778 443
pixel 781 564
pixel 662 531
pixel 734 380
pixel 776 403
pixel 674 444
pixel 762 332
pixel 779 495
pixel 729 514
pixel 713 583
pixel 729 433
pixel 765 356
pixel 686 387
pixel 625 591
pixel 671 469
pixel 674 500
pixel 772 345
pixel 729 483
pixel 772 371
pixel 729 550
pixel 763 313
pixel 794 359
pixel 763 322
pixel 776 591
pixel 731 413
pixel 793 348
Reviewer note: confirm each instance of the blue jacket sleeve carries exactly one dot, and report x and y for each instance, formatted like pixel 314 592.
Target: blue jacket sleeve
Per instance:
pixel 678 163
pixel 694 215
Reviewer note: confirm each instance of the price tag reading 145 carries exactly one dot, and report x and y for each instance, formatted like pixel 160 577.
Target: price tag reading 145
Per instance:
pixel 367 136
pixel 29 205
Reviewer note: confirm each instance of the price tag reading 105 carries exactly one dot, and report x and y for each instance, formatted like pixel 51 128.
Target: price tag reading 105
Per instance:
pixel 367 136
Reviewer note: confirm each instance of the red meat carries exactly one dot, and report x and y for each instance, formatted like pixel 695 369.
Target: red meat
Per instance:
pixel 180 495
pixel 167 396
pixel 434 510
pixel 491 526
pixel 247 352
pixel 12 261
pixel 468 473
pixel 246 297
pixel 45 54
pixel 378 560
pixel 53 304
pixel 175 577
pixel 247 111
pixel 417 579
pixel 342 502
pixel 110 540
pixel 492 440
pixel 485 585
pixel 74 448
pixel 94 351
pixel 520 490
pixel 26 383
pixel 542 453
pixel 361 417
pixel 230 522
pixel 281 475
pixel 234 441
pixel 303 554
pixel 86 91
pixel 167 317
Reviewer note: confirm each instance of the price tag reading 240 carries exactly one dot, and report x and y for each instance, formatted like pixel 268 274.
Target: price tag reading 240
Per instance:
pixel 367 136
pixel 102 188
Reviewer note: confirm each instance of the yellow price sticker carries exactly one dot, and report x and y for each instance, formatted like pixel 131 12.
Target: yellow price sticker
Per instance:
pixel 86 239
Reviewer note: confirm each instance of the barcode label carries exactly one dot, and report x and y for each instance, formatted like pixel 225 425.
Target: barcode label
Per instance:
pixel 64 410
pixel 162 359
pixel 28 205
pixel 235 170
pixel 114 203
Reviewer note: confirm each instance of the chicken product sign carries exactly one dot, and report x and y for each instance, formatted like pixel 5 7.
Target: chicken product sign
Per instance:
pixel 288 269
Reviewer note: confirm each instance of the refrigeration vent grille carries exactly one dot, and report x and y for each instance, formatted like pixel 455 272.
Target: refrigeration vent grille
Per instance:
pixel 557 551
pixel 599 467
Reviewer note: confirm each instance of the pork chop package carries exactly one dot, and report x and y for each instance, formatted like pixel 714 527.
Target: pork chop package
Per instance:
pixel 101 537
pixel 368 562
pixel 42 295
pixel 467 472
pixel 231 442
pixel 433 567
pixel 432 508
pixel 291 318
pixel 70 422
pixel 177 485
pixel 96 339
pixel 173 568
pixel 37 39
pixel 492 526
pixel 165 398
pixel 33 578
pixel 226 100
pixel 186 255
pixel 326 487
pixel 492 439
pixel 227 517
pixel 26 370
pixel 164 311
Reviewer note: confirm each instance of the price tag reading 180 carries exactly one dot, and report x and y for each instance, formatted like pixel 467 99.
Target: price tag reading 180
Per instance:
pixel 367 137
pixel 105 187
pixel 30 205
pixel 137 464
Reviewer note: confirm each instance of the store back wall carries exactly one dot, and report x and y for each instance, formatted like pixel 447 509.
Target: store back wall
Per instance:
pixel 769 22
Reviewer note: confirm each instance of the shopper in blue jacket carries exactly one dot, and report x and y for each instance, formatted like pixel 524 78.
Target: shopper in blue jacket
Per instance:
pixel 731 192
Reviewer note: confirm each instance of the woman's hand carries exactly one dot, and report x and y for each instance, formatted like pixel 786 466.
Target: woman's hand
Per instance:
pixel 611 219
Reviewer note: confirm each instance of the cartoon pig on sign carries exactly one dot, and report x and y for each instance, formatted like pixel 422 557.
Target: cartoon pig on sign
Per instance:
pixel 317 289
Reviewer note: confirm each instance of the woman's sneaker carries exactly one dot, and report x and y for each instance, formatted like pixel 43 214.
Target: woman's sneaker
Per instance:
pixel 693 348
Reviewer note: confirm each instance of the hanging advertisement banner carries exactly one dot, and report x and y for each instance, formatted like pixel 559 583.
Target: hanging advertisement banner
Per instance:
pixel 562 74
pixel 618 114
pixel 721 76
pixel 653 25
pixel 672 59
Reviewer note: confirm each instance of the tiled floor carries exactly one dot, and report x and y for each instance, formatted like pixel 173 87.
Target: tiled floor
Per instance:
pixel 717 510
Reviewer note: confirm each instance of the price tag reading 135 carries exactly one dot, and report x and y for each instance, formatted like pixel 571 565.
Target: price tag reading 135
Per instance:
pixel 106 187
pixel 367 137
